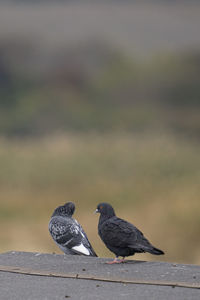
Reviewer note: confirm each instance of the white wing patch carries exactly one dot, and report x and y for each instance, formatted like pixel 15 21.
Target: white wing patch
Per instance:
pixel 82 249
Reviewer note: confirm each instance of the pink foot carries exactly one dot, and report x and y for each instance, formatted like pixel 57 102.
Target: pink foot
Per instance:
pixel 115 261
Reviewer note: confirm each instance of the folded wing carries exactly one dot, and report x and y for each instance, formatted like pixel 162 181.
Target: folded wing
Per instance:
pixel 69 236
pixel 120 233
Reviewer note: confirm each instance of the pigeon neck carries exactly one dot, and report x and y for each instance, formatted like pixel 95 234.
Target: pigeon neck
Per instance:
pixel 104 217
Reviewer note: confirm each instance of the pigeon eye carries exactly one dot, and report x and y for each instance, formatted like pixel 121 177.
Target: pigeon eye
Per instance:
pixel 101 207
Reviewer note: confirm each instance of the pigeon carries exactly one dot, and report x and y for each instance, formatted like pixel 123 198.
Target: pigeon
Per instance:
pixel 68 233
pixel 121 237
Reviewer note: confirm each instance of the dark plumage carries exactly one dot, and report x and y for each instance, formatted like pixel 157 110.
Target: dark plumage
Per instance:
pixel 68 233
pixel 120 236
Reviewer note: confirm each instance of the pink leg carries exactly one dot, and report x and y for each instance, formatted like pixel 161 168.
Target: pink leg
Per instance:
pixel 116 261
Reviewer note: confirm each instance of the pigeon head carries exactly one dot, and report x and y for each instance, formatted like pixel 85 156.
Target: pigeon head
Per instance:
pixel 65 210
pixel 105 209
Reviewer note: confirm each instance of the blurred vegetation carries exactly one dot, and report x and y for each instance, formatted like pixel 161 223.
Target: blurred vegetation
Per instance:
pixel 88 124
pixel 92 87
pixel 152 181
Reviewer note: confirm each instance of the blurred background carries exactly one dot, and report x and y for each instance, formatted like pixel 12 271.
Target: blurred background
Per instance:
pixel 100 102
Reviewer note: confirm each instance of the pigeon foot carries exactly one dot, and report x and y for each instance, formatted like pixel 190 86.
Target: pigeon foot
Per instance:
pixel 116 261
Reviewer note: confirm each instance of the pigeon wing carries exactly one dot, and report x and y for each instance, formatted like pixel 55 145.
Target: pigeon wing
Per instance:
pixel 66 233
pixel 85 240
pixel 119 233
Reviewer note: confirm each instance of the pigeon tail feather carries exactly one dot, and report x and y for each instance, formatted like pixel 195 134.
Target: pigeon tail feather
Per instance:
pixel 156 251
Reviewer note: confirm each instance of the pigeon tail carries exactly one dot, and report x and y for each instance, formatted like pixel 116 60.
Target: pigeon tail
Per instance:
pixel 156 251
pixel 94 254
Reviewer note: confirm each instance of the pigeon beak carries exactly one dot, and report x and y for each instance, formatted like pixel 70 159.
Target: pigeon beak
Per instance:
pixel 96 211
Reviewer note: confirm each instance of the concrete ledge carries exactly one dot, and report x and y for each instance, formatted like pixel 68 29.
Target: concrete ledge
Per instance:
pixel 25 275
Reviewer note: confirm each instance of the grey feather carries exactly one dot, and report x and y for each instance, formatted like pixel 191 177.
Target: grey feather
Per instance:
pixel 68 233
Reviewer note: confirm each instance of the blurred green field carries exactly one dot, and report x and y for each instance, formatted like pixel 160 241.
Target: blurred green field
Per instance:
pixel 151 180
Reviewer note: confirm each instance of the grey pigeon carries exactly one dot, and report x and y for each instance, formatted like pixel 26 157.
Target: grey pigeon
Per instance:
pixel 120 236
pixel 68 233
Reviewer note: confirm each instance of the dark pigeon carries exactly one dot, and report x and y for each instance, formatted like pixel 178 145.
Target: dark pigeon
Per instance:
pixel 68 233
pixel 120 236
